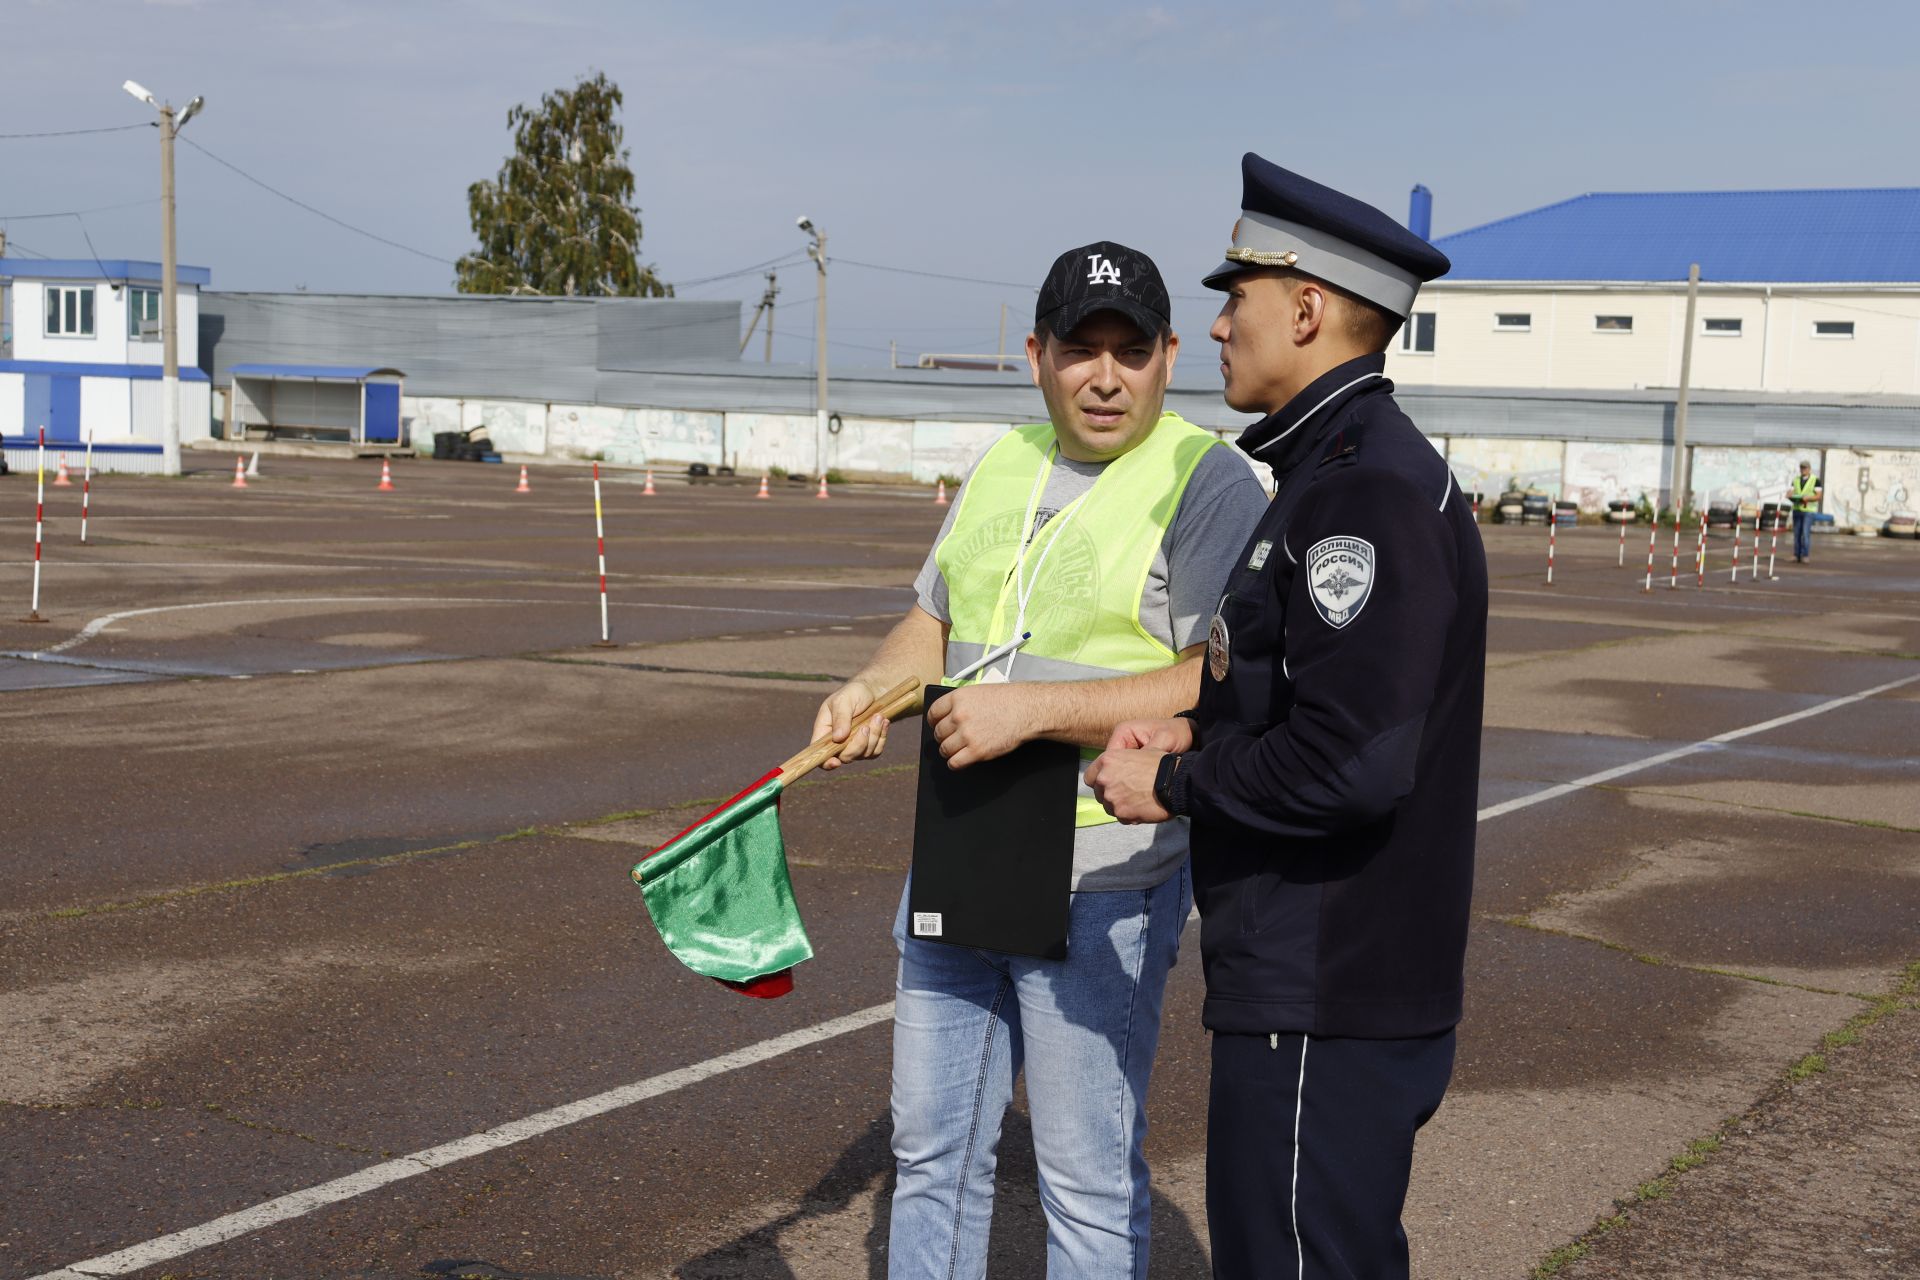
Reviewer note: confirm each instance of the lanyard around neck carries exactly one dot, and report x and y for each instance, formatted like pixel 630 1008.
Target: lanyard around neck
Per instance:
pixel 1024 583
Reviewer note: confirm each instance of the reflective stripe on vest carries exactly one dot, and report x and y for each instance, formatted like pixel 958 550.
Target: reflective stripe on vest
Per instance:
pixel 1084 610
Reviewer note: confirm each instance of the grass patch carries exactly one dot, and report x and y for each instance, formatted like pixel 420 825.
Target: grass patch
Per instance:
pixel 1905 995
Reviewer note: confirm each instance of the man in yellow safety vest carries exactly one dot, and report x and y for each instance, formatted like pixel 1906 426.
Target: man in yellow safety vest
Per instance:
pixel 1103 537
pixel 1805 494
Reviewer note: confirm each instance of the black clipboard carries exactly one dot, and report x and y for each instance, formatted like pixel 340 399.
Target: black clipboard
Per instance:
pixel 993 848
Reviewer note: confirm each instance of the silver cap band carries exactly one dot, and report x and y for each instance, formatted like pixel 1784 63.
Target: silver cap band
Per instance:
pixel 1261 240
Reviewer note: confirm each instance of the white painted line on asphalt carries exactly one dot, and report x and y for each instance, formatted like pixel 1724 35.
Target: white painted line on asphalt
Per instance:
pixel 299 1203
pixel 1664 757
pixel 100 624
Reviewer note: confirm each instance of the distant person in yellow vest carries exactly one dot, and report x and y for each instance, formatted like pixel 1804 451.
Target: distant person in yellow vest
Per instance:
pixel 1805 494
pixel 1106 534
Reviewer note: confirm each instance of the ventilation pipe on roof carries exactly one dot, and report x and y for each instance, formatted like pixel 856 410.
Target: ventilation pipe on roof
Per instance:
pixel 1420 212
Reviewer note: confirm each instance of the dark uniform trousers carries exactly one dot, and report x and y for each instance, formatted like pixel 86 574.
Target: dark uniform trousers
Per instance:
pixel 1309 1147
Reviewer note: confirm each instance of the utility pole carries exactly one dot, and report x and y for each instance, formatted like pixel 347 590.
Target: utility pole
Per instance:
pixel 169 282
pixel 765 305
pixel 817 250
pixel 1681 479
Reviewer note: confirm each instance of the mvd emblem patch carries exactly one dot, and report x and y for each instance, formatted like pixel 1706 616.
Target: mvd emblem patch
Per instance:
pixel 1340 577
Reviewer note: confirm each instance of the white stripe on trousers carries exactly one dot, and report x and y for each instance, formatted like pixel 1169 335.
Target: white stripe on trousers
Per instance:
pixel 1299 1102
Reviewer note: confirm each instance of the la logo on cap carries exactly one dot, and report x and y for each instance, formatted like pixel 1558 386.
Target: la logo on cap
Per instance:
pixel 1102 270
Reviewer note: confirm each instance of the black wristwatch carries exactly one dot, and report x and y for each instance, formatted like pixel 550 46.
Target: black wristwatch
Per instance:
pixel 1170 784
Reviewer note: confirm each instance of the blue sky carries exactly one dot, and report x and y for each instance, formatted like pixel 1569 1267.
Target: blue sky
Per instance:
pixel 975 140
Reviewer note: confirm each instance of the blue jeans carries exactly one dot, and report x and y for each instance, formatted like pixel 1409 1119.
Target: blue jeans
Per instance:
pixel 1086 1029
pixel 1802 535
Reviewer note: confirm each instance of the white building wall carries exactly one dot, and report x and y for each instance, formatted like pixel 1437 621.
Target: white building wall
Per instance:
pixel 1776 349
pixel 109 343
pixel 106 409
pixel 13 404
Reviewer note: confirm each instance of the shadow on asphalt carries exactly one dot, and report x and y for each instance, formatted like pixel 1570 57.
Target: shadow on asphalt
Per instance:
pixel 1019 1250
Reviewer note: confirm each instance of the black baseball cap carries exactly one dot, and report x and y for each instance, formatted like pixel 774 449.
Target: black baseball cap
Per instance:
pixel 1103 276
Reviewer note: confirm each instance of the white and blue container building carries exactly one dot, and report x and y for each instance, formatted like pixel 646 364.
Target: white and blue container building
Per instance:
pixel 86 358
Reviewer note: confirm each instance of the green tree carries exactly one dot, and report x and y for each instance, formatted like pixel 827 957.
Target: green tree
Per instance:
pixel 560 219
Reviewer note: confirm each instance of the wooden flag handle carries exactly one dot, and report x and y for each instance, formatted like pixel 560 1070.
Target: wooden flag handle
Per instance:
pixel 889 704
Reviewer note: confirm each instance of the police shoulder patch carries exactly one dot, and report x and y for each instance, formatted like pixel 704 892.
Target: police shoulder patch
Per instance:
pixel 1340 578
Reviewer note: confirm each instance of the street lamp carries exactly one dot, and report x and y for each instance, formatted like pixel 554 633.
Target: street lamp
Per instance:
pixel 817 250
pixel 169 269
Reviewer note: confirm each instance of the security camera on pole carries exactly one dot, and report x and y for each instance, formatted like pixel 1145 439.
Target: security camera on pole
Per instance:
pixel 817 250
pixel 169 286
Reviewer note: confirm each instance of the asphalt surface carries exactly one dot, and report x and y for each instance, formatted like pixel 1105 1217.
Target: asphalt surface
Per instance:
pixel 317 827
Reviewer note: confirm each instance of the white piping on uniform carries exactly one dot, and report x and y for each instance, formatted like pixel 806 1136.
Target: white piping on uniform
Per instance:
pixel 1299 1098
pixel 1283 667
pixel 1317 408
pixel 1447 492
pixel 1289 550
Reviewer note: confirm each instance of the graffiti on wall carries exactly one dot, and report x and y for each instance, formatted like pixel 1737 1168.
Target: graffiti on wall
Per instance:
pixel 1867 486
pixel 1489 466
pixel 1597 474
pixel 1725 474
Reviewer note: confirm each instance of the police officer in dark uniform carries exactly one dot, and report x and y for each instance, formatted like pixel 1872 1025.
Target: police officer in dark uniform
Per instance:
pixel 1330 767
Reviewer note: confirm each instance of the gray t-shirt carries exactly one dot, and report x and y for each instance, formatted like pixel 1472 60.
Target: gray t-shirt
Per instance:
pixel 1222 503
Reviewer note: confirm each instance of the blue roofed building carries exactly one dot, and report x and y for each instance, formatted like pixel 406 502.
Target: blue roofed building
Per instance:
pixel 1812 291
pixel 85 359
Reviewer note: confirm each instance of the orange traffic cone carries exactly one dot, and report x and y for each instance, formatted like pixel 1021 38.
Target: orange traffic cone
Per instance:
pixel 239 473
pixel 386 475
pixel 940 494
pixel 648 491
pixel 60 479
pixel 763 489
pixel 524 486
pixel 823 488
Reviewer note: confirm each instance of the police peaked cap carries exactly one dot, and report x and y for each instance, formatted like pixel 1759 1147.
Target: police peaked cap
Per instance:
pixel 1294 222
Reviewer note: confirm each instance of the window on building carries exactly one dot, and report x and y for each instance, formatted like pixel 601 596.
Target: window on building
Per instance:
pixel 143 314
pixel 1416 335
pixel 1833 328
pixel 1513 321
pixel 69 311
pixel 1613 324
pixel 1721 327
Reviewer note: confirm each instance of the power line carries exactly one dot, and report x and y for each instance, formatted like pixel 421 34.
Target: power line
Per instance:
pixel 70 133
pixel 781 261
pixel 1003 284
pixel 74 213
pixel 319 213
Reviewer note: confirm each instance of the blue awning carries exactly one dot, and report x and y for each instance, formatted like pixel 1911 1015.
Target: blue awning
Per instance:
pixel 316 372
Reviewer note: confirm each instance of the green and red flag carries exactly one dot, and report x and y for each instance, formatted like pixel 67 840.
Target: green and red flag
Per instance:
pixel 719 892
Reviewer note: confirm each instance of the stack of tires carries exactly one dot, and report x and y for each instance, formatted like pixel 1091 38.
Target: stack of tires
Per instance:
pixel 1535 508
pixel 1566 513
pixel 1511 507
pixel 1722 515
pixel 464 446
pixel 1620 511
pixel 1771 511
pixel 1902 527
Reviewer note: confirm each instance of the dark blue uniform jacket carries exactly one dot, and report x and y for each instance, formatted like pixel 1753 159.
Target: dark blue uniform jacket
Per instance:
pixel 1332 786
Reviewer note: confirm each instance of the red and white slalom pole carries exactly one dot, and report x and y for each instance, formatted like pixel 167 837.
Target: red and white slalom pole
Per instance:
pixel 1735 575
pixel 1673 570
pixel 1653 540
pixel 1553 528
pixel 1623 544
pixel 1700 554
pixel 1753 575
pixel 86 488
pixel 600 538
pixel 39 518
pixel 1774 548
